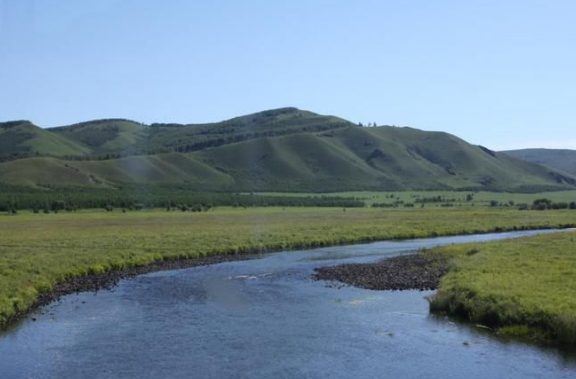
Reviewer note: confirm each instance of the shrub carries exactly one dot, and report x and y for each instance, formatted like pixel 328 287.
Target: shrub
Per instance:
pixel 473 251
pixel 542 204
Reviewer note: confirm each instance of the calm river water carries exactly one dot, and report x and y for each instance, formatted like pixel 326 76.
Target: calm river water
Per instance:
pixel 265 318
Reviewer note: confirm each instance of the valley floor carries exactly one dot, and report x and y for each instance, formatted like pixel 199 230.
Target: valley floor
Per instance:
pixel 39 250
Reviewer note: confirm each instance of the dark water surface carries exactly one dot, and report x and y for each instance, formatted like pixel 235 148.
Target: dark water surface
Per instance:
pixel 265 318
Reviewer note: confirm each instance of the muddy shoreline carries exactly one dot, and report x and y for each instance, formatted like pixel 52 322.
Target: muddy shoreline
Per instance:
pixel 405 272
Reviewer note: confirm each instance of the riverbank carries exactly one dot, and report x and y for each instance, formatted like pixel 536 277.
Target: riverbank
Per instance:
pixel 110 278
pixel 521 288
pixel 40 252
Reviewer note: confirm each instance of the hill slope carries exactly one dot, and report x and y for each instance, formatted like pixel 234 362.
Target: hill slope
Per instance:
pixel 105 136
pixel 376 158
pixel 563 160
pixel 126 137
pixel 278 150
pixel 22 138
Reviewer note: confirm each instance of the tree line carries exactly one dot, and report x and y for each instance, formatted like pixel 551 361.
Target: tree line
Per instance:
pixel 130 199
pixel 546 204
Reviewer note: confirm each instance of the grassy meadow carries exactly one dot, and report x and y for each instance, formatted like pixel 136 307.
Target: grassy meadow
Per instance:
pixel 526 287
pixel 38 250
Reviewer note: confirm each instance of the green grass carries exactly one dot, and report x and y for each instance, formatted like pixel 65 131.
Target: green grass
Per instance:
pixel 38 250
pixel 526 287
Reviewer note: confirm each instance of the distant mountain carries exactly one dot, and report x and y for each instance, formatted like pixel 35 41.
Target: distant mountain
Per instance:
pixel 278 150
pixel 563 160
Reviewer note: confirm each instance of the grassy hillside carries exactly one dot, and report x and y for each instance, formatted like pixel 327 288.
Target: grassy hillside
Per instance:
pixel 22 138
pixel 162 168
pixel 278 150
pixel 563 160
pixel 169 168
pixel 424 160
pixel 116 136
pixel 385 158
pixel 272 123
pixel 120 137
pixel 297 162
pixel 43 171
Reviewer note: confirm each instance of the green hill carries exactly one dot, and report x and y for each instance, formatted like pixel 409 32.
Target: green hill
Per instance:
pixel 123 137
pixel 105 136
pixel 384 158
pixel 278 150
pixel 563 160
pixel 22 138
pixel 172 168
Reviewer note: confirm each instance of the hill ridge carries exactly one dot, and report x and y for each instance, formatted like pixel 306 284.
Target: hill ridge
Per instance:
pixel 284 149
pixel 563 160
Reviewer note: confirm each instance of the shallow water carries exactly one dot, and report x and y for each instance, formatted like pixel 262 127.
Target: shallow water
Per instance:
pixel 265 318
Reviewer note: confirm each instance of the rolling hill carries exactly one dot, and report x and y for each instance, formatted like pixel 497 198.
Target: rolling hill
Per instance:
pixel 126 137
pixel 278 150
pixel 105 136
pixel 562 160
pixel 22 138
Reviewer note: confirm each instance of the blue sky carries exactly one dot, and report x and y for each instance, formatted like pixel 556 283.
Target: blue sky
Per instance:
pixel 497 73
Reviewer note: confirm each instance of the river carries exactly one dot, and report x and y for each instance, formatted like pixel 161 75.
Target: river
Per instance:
pixel 266 318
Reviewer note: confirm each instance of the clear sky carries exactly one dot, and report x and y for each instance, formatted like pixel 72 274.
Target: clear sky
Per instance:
pixel 501 73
